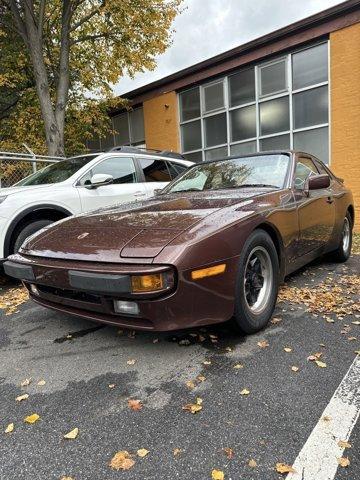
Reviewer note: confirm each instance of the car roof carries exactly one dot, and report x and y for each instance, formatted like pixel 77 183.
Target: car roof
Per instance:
pixel 115 153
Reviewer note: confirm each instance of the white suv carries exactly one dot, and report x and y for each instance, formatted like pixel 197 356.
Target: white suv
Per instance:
pixel 81 183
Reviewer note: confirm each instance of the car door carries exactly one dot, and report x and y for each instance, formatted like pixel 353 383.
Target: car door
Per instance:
pixel 156 173
pixel 124 188
pixel 316 209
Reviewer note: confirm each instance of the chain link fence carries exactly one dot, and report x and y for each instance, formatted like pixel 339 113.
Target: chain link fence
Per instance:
pixel 16 166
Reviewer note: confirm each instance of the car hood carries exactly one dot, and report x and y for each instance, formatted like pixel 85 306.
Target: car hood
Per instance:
pixel 138 230
pixel 22 189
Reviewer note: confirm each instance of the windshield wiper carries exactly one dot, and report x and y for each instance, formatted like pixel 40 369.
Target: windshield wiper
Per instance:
pixel 187 190
pixel 248 185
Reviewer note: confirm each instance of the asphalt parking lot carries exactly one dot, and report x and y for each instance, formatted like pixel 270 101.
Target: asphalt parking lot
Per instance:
pixel 255 406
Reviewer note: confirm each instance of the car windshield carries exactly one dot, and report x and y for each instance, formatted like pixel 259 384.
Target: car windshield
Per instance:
pixel 56 172
pixel 257 170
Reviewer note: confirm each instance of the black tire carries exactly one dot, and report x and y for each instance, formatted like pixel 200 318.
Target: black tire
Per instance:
pixel 29 230
pixel 342 253
pixel 259 250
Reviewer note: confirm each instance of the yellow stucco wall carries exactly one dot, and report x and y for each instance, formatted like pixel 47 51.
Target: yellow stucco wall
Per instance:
pixel 345 109
pixel 162 122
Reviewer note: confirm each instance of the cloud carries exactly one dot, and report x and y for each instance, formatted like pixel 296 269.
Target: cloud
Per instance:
pixel 209 27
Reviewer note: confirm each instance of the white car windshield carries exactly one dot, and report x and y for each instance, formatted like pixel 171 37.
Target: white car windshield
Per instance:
pixel 257 170
pixel 56 172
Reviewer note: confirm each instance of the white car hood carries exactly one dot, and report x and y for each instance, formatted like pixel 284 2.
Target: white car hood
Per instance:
pixel 21 189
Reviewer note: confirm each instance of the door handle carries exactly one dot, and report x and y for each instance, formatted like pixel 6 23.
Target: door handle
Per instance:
pixel 330 199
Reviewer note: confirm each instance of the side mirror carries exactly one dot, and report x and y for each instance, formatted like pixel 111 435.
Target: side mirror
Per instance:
pixel 318 181
pixel 100 179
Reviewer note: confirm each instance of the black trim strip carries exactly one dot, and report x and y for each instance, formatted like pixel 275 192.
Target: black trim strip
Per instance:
pixel 96 282
pixel 22 272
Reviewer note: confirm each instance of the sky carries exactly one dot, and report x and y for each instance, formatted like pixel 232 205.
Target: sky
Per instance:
pixel 208 27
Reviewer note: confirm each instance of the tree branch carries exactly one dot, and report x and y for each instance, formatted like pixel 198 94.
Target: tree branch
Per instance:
pixel 41 19
pixel 86 38
pixel 86 18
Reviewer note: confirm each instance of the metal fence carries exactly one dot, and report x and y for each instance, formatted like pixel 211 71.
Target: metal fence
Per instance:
pixel 16 166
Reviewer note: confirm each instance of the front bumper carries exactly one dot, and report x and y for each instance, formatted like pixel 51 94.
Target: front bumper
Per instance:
pixel 88 290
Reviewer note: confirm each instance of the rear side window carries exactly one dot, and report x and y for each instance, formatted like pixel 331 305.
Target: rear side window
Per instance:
pixel 154 170
pixel 122 169
pixel 175 169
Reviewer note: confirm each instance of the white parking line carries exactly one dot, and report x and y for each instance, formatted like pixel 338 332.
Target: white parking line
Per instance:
pixel 318 459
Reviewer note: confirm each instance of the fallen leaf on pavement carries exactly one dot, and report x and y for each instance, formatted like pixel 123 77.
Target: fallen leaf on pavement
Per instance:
pixel 190 384
pixel 72 435
pixel 176 451
pixel 344 444
pixel 32 418
pixel 20 398
pixel 135 404
pixel 66 478
pixel 9 428
pixel 356 322
pixel 320 364
pixel 343 461
pixel 12 298
pixel 217 475
pixel 229 452
pixel 287 349
pixel 142 452
pixel 194 407
pixel 263 344
pixel 252 463
pixel 41 383
pixel 294 369
pixel 238 366
pixel 206 362
pixel 131 361
pixel 121 461
pixel 25 382
pixel 275 320
pixel 284 468
pixel 112 385
pixel 314 356
pixel 244 391
pixel 326 418
pixel 201 378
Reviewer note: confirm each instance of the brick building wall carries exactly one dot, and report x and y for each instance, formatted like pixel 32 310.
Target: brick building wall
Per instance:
pixel 162 122
pixel 345 109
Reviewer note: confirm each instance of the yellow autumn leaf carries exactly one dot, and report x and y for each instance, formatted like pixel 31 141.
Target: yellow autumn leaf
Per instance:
pixel 122 461
pixel 190 384
pixel 294 368
pixel 284 468
pixel 176 451
pixel 20 398
pixel 194 407
pixel 111 385
pixel 41 383
pixel 287 349
pixel 66 478
pixel 72 434
pixel 206 362
pixel 263 344
pixel 320 364
pixel 252 463
pixel 34 417
pixel 343 461
pixel 201 378
pixel 132 361
pixel 25 382
pixel 238 366
pixel 142 452
pixel 9 428
pixel 217 475
pixel 229 452
pixel 344 444
pixel 244 391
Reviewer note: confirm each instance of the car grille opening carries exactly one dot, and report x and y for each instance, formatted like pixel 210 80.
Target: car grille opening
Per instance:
pixel 70 294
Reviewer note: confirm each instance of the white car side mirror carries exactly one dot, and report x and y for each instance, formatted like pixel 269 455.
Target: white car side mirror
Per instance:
pixel 100 179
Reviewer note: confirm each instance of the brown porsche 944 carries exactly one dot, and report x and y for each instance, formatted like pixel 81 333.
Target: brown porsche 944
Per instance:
pixel 213 245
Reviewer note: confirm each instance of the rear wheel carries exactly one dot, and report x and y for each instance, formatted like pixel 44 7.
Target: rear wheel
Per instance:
pixel 257 283
pixel 342 253
pixel 28 230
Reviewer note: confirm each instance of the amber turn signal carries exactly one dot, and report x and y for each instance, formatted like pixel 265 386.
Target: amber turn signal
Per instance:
pixel 147 283
pixel 208 272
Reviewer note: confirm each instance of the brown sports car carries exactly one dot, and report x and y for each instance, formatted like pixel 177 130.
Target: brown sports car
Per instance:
pixel 213 245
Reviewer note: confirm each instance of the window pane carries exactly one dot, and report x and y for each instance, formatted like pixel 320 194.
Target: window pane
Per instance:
pixel 154 170
pixel 194 157
pixel 242 87
pixel 137 132
pixel 311 107
pixel 281 142
pixel 305 168
pixel 310 66
pixel 216 153
pixel 121 168
pixel 190 104
pixel 243 148
pixel 121 125
pixel 175 169
pixel 215 130
pixel 274 116
pixel 243 123
pixel 213 97
pixel 191 135
pixel 273 78
pixel 315 142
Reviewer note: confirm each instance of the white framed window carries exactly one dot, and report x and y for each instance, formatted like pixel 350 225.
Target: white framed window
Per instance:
pixel 279 104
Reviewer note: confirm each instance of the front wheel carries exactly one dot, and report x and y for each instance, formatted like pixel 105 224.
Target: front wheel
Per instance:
pixel 28 230
pixel 257 283
pixel 342 253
